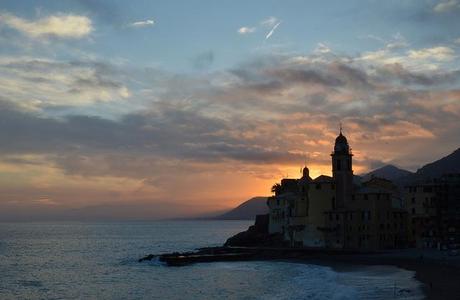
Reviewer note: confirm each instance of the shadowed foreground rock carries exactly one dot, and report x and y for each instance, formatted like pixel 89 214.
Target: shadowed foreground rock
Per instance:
pixel 256 236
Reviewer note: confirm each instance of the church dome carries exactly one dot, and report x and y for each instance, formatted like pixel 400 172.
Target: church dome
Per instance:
pixel 341 144
pixel 341 139
pixel 306 172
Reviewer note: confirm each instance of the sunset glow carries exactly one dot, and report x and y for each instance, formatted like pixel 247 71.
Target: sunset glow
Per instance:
pixel 158 106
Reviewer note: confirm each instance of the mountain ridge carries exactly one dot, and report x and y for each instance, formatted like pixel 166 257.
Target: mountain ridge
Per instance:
pixel 390 172
pixel 246 210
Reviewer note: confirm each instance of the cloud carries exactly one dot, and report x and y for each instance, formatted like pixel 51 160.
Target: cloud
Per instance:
pixel 396 42
pixel 60 25
pixel 437 53
pixel 270 33
pixel 322 49
pixel 398 74
pixel 446 6
pixel 37 82
pixel 144 23
pixel 269 22
pixel 246 30
pixel 414 59
pixel 198 118
pixel 245 126
pixel 272 23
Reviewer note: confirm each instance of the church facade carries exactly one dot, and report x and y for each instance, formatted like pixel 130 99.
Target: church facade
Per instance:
pixel 339 211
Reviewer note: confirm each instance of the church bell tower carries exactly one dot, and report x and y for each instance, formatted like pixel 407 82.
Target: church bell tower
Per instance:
pixel 342 170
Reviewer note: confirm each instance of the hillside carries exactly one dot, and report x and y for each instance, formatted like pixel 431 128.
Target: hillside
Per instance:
pixel 389 172
pixel 447 164
pixel 246 210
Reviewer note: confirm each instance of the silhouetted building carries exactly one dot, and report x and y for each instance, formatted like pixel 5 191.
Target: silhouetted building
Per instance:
pixel 334 212
pixel 342 171
pixel 434 212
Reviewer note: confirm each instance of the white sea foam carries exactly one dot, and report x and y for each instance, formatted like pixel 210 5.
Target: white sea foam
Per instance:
pixel 377 282
pixel 156 262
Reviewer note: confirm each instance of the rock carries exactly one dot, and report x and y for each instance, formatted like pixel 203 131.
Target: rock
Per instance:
pixel 256 235
pixel 148 257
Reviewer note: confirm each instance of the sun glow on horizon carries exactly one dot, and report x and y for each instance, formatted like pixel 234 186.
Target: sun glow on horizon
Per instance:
pixel 106 106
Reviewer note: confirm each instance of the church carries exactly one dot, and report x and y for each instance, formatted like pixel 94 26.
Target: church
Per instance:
pixel 338 212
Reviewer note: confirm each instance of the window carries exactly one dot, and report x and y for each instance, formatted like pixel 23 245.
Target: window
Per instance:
pixel 337 216
pixel 318 186
pixel 366 197
pixel 333 202
pixel 413 200
pixel 339 165
pixel 413 210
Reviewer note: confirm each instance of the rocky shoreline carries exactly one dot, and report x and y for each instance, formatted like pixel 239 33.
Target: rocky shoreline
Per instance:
pixel 229 253
pixel 439 273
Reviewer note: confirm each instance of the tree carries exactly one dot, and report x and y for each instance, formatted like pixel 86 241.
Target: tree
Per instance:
pixel 276 189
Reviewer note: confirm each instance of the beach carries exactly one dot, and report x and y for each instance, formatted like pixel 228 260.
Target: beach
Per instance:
pixel 439 273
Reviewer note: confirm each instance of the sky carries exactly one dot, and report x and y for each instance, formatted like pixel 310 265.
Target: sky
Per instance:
pixel 159 109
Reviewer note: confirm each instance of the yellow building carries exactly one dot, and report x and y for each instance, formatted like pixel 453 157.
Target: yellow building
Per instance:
pixel 334 212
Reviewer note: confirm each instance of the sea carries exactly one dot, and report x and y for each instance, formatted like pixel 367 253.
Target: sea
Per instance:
pixel 99 260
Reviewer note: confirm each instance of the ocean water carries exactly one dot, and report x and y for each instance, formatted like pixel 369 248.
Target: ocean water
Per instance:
pixel 99 261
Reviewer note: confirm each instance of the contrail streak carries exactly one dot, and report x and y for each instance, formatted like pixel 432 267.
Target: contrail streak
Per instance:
pixel 271 31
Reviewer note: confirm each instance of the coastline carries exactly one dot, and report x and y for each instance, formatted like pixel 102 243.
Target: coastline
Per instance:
pixel 438 273
pixel 440 276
